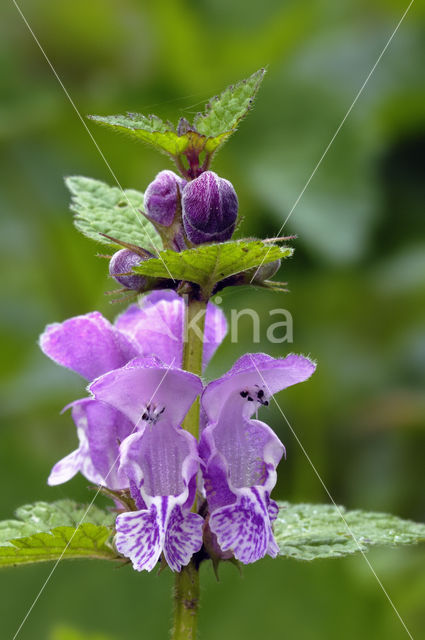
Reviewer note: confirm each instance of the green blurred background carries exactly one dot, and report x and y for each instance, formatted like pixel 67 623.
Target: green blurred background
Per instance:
pixel 357 282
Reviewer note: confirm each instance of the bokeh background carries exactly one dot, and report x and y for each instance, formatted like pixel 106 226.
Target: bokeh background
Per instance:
pixel 357 282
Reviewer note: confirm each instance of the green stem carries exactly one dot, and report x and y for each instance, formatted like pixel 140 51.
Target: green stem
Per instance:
pixel 186 603
pixel 186 590
pixel 193 346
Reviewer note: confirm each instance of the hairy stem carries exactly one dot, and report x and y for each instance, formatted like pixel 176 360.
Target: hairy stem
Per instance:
pixel 186 589
pixel 186 603
pixel 193 346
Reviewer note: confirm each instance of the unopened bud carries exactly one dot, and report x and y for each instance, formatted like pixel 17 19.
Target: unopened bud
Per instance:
pixel 210 209
pixel 265 272
pixel 255 276
pixel 122 262
pixel 162 198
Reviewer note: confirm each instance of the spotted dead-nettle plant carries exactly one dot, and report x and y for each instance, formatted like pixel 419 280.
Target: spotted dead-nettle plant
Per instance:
pixel 187 463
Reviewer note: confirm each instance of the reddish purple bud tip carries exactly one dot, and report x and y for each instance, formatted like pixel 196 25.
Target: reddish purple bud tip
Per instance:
pixel 162 197
pixel 122 262
pixel 210 208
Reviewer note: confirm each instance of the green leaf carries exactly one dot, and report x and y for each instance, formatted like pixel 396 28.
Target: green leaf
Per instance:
pixel 100 208
pixel 149 129
pixel 208 264
pixel 210 129
pixel 44 531
pixel 308 531
pixel 161 136
pixel 224 112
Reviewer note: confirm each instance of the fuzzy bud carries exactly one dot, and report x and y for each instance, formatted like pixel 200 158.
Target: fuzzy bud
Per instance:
pixel 265 272
pixel 254 276
pixel 162 198
pixel 210 209
pixel 122 262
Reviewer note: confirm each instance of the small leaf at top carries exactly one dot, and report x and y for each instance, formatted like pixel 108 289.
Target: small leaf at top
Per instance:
pixel 224 112
pixel 208 264
pixel 161 136
pixel 311 531
pixel 149 129
pixel 101 209
pixel 208 132
pixel 47 531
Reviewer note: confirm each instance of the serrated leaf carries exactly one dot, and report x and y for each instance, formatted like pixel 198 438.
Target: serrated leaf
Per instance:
pixel 210 129
pixel 88 541
pixel 44 531
pixel 149 129
pixel 161 136
pixel 224 112
pixel 207 264
pixel 100 208
pixel 308 531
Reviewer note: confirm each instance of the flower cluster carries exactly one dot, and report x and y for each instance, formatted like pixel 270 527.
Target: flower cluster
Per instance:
pixel 185 214
pixel 175 493
pixel 131 439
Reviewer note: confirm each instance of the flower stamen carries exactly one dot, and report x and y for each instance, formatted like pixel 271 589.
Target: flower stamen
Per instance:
pixel 152 413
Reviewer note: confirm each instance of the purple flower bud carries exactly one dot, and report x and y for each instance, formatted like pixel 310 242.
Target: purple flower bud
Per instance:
pixel 210 209
pixel 122 262
pixel 162 197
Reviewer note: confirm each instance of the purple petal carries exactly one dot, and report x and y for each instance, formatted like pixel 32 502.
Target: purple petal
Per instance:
pixel 105 429
pixel 100 429
pixel 216 481
pixel 77 461
pixel 214 333
pixel 66 468
pixel 147 381
pixel 249 449
pixel 88 344
pixel 244 527
pixel 160 460
pixel 273 510
pixel 252 371
pixel 140 537
pixel 183 538
pixel 157 327
pixel 161 463
pixel 240 455
pixel 143 535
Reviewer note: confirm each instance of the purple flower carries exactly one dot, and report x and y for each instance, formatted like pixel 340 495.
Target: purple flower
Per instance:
pixel 131 435
pixel 100 429
pixel 157 327
pixel 210 209
pixel 240 455
pixel 160 461
pixel 91 346
pixel 122 262
pixel 162 198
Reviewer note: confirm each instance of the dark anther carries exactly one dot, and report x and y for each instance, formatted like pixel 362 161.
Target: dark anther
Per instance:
pixel 244 394
pixel 260 393
pixel 250 399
